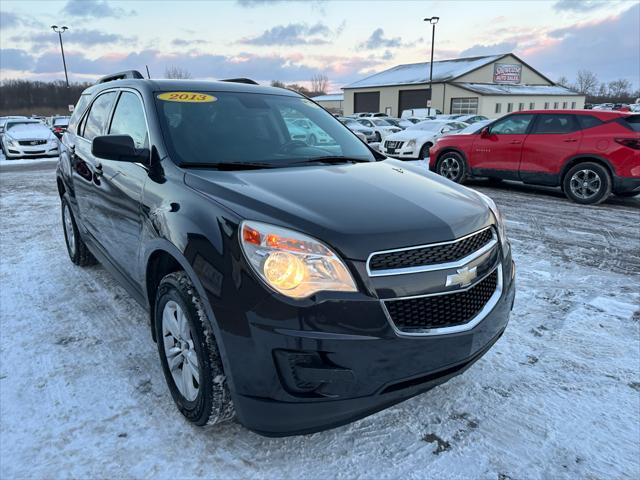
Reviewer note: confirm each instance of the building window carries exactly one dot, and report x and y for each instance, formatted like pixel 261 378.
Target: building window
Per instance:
pixel 573 105
pixel 498 107
pixel 555 105
pixel 532 106
pixel 464 106
pixel 509 107
pixel 520 107
pixel 546 105
pixel 564 105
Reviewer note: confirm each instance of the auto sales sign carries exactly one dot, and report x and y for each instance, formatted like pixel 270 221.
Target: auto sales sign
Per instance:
pixel 507 73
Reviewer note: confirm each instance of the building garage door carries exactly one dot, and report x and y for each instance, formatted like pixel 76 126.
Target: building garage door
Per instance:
pixel 366 102
pixel 412 99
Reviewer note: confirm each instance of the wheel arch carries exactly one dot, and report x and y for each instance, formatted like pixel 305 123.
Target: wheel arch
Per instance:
pixel 449 150
pixel 583 158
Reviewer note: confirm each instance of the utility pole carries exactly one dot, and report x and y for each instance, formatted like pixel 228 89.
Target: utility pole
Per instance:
pixel 432 21
pixel 60 31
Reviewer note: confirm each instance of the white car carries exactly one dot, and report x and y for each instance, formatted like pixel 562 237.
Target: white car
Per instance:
pixel 28 138
pixel 420 112
pixel 380 127
pixel 409 121
pixel 357 127
pixel 4 120
pixel 315 135
pixel 415 141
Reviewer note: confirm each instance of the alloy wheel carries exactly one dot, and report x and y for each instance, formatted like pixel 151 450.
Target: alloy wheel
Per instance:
pixel 585 184
pixel 450 168
pixel 68 229
pixel 179 350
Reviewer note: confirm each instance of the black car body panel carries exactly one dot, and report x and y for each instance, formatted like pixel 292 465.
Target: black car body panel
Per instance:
pixel 132 214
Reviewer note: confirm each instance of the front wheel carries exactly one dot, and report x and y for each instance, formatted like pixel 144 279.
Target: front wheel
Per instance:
pixel 378 137
pixel 189 354
pixel 587 183
pixel 424 151
pixel 451 165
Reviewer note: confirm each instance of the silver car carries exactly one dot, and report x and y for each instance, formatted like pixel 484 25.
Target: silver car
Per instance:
pixel 28 138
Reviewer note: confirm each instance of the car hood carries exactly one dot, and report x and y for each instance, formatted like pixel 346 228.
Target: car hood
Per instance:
pixel 29 133
pixel 411 134
pixel 355 208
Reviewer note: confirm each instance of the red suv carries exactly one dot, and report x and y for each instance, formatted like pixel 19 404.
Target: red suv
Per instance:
pixel 588 153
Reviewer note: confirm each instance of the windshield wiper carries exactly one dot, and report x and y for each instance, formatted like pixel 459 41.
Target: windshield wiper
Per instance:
pixel 331 160
pixel 230 165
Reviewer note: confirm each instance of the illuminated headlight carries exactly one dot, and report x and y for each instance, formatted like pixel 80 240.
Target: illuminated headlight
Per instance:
pixel 500 223
pixel 411 143
pixel 292 263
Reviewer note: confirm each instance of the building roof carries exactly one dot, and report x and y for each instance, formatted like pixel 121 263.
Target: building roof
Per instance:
pixel 505 89
pixel 417 73
pixel 330 97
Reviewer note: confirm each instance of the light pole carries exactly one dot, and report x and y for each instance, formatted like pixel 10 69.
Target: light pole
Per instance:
pixel 60 31
pixel 432 21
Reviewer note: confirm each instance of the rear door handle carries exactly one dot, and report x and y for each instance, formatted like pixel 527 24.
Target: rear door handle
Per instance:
pixel 515 142
pixel 570 140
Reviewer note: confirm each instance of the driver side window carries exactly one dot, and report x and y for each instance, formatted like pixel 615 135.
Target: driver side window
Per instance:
pixel 512 125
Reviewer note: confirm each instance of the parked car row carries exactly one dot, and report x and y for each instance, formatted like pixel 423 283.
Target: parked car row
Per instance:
pixel 27 137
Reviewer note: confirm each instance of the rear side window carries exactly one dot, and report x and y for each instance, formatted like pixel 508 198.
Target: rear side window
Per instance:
pixel 632 122
pixel 98 115
pixel 555 123
pixel 128 119
pixel 588 121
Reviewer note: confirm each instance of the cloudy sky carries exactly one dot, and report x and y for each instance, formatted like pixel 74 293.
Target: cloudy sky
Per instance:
pixel 291 41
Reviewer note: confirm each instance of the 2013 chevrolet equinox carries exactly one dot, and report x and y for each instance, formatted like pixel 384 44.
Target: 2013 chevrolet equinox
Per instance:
pixel 299 287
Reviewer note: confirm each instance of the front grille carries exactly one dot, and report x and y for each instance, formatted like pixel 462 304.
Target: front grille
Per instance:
pixel 441 311
pixel 28 143
pixel 392 144
pixel 430 255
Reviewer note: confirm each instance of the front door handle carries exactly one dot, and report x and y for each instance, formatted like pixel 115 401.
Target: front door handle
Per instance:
pixel 570 140
pixel 515 142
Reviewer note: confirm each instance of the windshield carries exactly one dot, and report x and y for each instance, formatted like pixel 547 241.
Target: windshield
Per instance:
pixel 380 123
pixel 428 126
pixel 232 127
pixel 12 123
pixel 474 128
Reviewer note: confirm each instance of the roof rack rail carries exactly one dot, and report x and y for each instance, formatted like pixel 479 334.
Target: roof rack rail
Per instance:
pixel 240 80
pixel 121 76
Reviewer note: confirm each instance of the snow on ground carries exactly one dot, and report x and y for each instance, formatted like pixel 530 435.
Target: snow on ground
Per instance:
pixel 82 394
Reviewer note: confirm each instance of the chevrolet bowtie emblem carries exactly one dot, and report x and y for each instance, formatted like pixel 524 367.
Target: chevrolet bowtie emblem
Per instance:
pixel 464 277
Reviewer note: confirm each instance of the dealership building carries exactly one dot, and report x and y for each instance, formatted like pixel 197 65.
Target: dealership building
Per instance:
pixel 491 85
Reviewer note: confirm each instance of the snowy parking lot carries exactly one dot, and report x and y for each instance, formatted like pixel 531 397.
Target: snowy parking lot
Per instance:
pixel 82 393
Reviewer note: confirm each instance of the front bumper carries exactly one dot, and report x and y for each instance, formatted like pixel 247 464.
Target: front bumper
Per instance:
pixel 22 151
pixel 405 152
pixel 348 346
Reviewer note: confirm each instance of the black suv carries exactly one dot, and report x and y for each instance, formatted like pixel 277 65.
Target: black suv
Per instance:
pixel 298 286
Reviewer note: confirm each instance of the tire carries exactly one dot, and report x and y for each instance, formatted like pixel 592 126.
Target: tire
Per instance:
pixel 424 151
pixel 451 165
pixel 76 248
pixel 181 323
pixel 587 183
pixel 626 194
pixel 378 137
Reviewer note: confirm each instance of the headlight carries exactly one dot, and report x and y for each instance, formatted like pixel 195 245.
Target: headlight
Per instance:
pixel 411 143
pixel 10 141
pixel 292 263
pixel 500 223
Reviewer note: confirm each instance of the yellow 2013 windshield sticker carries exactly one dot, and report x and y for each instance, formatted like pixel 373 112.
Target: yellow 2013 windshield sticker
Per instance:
pixel 191 97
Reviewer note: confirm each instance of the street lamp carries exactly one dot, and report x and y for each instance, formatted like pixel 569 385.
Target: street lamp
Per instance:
pixel 432 21
pixel 60 31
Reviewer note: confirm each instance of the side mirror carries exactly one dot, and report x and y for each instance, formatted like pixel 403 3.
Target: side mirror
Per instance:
pixel 484 133
pixel 118 147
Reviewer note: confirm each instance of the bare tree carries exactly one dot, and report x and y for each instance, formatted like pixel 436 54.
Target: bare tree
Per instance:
pixel 620 88
pixel 277 83
pixel 319 84
pixel 298 88
pixel 563 81
pixel 177 73
pixel 586 82
pixel 602 90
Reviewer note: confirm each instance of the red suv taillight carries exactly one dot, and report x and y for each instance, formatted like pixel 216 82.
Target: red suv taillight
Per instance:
pixel 629 142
